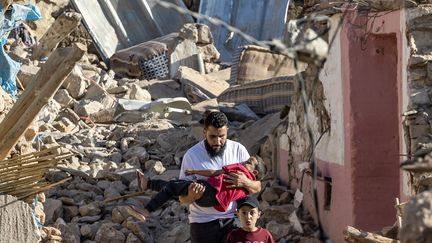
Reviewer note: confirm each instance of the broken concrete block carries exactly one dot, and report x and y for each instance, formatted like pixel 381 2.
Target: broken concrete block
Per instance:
pixel 183 54
pixel 95 92
pixel 91 209
pixel 50 112
pixel 63 98
pixel 135 92
pixel 165 89
pixel 269 195
pixel 108 233
pixel 204 34
pixel 26 74
pixel 70 114
pixel 416 131
pixel 201 107
pixel 53 210
pixel 194 94
pixel 419 96
pixel 137 151
pixel 131 238
pixel 155 167
pixel 69 232
pixel 240 112
pixel 65 125
pixel 278 230
pixel 208 52
pixel 294 221
pixel 210 86
pixel 179 233
pixel 253 136
pixel 86 108
pixel 416 226
pixel 222 74
pixel 31 132
pixel 279 213
pixel 16 221
pixel 189 32
pixel 196 131
pixel 75 83
pixel 212 67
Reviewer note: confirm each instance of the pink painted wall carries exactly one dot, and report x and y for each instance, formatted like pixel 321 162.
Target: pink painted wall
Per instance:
pixel 365 185
pixel 371 115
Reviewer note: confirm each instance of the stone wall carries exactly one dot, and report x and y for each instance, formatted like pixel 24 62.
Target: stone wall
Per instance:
pixel 417 122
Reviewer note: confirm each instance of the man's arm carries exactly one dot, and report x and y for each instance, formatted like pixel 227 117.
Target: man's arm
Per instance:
pixel 238 179
pixel 207 173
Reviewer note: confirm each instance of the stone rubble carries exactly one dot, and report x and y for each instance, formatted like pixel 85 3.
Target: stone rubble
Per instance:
pixel 80 117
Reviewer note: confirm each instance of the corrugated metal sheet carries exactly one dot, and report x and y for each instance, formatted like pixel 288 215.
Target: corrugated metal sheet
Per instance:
pixel 118 24
pixel 262 19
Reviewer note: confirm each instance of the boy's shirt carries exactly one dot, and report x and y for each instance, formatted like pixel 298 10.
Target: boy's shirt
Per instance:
pixel 227 195
pixel 261 235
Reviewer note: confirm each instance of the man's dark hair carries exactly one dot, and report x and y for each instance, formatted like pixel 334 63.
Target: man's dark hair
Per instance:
pixel 216 119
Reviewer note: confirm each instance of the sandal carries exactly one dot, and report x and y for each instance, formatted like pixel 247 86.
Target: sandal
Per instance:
pixel 136 213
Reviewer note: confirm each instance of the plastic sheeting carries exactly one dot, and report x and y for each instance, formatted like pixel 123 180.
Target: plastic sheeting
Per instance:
pixel 8 21
pixel 262 19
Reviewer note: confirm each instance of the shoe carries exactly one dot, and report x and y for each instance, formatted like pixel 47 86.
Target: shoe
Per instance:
pixel 136 213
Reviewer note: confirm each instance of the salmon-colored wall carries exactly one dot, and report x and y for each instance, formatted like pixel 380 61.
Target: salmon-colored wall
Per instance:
pixel 365 185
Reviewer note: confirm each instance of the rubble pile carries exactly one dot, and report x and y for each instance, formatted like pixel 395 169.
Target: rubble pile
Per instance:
pixel 115 124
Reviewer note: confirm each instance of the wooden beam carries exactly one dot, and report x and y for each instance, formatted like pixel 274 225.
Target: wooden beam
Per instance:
pixel 43 86
pixel 352 234
pixel 59 30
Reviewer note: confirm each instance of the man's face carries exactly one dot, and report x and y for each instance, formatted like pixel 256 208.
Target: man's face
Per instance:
pixel 248 217
pixel 216 137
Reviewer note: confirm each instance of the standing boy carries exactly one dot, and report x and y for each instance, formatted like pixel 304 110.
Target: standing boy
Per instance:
pixel 248 212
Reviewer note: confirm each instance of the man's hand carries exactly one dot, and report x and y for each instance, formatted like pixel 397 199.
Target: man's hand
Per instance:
pixel 195 191
pixel 238 179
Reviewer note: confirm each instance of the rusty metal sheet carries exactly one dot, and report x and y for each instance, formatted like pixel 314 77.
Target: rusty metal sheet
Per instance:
pixel 262 19
pixel 118 24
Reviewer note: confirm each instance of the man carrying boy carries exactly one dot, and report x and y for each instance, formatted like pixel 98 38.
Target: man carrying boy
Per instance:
pixel 248 212
pixel 208 225
pixel 217 193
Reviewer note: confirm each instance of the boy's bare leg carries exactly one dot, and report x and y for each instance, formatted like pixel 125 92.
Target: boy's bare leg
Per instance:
pixel 142 181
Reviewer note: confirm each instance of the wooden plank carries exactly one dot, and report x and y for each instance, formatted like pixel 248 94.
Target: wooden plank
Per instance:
pixel 352 234
pixel 59 30
pixel 43 86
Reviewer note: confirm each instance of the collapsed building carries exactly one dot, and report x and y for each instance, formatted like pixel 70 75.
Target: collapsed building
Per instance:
pixel 332 128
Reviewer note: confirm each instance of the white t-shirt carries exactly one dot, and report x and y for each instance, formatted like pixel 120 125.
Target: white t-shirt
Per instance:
pixel 197 158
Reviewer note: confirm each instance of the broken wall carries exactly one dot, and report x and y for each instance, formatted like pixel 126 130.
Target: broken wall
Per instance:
pixel 344 104
pixel 419 74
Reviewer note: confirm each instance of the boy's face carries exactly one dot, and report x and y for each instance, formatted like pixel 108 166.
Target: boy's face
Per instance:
pixel 248 217
pixel 250 164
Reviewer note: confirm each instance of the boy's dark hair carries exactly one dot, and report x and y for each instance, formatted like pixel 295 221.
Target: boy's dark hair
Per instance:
pixel 259 167
pixel 216 119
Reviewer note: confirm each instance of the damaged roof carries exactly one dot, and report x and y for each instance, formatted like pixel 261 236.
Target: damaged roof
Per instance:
pixel 114 26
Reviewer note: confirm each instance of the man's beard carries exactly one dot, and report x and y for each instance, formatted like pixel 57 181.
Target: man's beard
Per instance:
pixel 211 151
